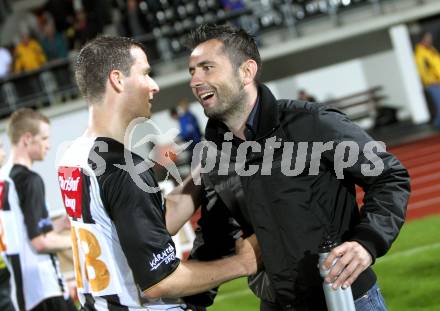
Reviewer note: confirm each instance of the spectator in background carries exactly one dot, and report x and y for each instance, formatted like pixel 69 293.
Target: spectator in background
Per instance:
pixel 87 26
pixel 80 28
pixel 428 65
pixel 189 126
pixel 97 15
pixel 64 17
pixel 5 62
pixel 54 44
pixel 42 18
pixel 28 54
pixel 132 23
pixel 233 5
pixel 304 96
pixel 245 21
pixel 62 12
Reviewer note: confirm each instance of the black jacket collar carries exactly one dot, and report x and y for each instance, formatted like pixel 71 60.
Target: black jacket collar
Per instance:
pixel 267 122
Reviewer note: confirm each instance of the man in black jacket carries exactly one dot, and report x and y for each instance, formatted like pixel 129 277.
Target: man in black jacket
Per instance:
pixel 287 171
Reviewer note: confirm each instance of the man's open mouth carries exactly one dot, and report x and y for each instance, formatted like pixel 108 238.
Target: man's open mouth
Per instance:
pixel 207 95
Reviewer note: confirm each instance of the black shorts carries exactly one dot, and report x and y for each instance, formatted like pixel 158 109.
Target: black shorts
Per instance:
pixel 56 303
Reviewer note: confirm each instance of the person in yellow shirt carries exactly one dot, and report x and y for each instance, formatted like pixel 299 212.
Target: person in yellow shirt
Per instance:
pixel 28 54
pixel 428 64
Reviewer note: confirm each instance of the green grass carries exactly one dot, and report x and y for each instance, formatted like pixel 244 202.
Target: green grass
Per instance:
pixel 235 295
pixel 409 275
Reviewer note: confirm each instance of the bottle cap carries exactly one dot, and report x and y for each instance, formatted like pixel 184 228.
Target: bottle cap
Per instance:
pixel 327 246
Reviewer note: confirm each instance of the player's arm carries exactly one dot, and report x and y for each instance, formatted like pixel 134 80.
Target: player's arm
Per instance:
pixel 193 276
pixel 39 227
pixel 182 203
pixel 150 250
pixel 51 242
pixel 61 223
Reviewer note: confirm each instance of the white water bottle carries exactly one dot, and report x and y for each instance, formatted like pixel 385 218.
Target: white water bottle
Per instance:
pixel 337 299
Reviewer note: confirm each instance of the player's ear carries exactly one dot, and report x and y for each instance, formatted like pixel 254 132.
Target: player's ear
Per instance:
pixel 116 79
pixel 26 139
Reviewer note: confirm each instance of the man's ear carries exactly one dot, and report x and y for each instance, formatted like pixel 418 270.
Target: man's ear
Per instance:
pixel 116 79
pixel 249 71
pixel 26 139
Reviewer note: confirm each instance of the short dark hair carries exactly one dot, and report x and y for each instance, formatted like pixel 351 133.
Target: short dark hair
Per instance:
pixel 238 44
pixel 97 59
pixel 24 120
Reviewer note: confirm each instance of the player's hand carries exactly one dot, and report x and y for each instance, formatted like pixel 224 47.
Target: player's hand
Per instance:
pixel 60 224
pixel 248 252
pixel 351 260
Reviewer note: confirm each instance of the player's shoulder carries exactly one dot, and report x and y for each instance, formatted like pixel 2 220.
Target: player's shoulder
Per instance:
pixel 24 174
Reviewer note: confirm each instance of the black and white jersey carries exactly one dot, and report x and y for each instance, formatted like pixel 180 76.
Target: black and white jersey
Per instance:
pixel 23 216
pixel 121 245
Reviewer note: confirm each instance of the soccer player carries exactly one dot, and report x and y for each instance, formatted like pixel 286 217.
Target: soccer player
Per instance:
pixel 31 239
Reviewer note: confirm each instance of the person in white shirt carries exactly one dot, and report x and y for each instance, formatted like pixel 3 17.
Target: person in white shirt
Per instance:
pixel 5 62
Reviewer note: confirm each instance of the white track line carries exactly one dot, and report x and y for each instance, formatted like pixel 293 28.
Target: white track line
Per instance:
pixel 424 203
pixel 409 252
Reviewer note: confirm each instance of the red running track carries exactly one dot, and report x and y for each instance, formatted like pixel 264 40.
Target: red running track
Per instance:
pixel 422 159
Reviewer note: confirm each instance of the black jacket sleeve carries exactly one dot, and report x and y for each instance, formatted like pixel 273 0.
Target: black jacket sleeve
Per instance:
pixel 383 178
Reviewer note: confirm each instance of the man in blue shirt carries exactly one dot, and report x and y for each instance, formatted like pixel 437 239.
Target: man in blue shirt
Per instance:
pixel 189 126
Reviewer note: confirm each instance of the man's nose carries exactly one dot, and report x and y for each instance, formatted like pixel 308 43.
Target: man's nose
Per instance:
pixel 196 80
pixel 154 88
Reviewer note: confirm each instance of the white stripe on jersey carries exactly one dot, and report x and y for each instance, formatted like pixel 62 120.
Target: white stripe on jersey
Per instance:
pixel 101 305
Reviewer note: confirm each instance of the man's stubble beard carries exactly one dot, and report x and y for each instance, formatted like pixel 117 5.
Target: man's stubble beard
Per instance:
pixel 232 104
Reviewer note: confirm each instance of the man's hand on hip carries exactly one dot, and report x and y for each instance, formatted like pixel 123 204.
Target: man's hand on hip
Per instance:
pixel 351 260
